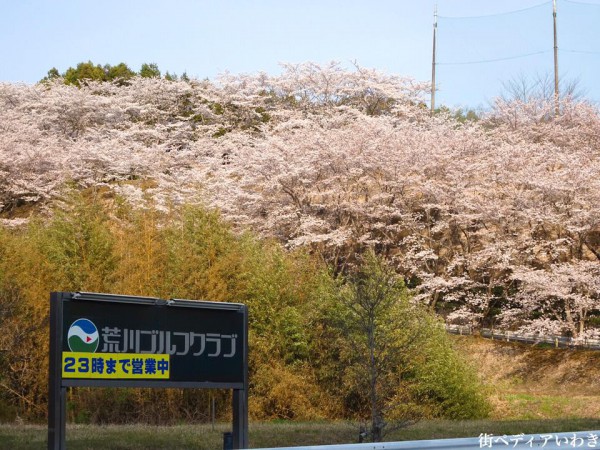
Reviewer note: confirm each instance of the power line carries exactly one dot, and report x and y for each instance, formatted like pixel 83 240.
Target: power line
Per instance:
pixel 483 61
pixel 580 3
pixel 499 14
pixel 586 52
pixel 555 49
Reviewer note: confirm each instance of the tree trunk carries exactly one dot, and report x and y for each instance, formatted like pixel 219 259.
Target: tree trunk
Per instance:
pixel 376 413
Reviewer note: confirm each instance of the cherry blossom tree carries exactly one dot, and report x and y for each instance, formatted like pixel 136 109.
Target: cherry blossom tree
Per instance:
pixel 340 160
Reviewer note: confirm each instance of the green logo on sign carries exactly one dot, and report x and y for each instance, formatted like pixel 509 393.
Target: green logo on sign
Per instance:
pixel 83 336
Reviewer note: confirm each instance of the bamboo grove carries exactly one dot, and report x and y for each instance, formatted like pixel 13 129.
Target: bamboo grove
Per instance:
pixel 307 329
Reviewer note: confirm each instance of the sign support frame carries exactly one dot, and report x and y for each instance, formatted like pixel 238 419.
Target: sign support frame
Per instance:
pixel 240 401
pixel 57 385
pixel 57 394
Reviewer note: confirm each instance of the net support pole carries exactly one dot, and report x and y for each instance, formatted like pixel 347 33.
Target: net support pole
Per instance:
pixel 435 18
pixel 556 91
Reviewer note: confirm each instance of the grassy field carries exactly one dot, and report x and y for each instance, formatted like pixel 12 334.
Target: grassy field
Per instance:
pixel 532 391
pixel 203 437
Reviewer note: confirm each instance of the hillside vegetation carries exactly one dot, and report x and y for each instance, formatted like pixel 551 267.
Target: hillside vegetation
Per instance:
pixel 490 220
pixel 311 339
pixel 301 194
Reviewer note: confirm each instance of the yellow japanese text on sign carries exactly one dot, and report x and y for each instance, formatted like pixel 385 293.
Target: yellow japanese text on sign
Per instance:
pixel 115 365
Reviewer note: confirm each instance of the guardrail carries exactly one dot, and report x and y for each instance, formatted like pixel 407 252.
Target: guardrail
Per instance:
pixel 508 336
pixel 548 441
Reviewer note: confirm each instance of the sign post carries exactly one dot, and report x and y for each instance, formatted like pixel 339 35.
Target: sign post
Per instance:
pixel 102 340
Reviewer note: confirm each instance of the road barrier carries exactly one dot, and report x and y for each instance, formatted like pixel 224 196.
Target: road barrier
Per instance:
pixel 534 339
pixel 547 441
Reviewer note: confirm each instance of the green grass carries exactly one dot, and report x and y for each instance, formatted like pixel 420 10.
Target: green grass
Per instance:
pixel 528 406
pixel 203 437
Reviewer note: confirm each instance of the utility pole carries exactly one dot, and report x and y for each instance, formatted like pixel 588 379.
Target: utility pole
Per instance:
pixel 433 60
pixel 556 92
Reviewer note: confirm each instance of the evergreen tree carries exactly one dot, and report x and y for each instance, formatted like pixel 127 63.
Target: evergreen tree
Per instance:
pixel 84 71
pixel 150 71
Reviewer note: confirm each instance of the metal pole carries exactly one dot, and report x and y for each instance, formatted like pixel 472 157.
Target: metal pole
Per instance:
pixel 57 398
pixel 240 399
pixel 556 92
pixel 228 440
pixel 433 60
pixel 213 412
pixel 240 418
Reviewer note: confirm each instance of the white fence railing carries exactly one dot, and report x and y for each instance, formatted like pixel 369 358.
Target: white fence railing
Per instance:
pixel 508 336
pixel 547 441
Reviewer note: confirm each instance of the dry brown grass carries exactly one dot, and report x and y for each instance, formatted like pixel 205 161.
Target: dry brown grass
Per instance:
pixel 527 382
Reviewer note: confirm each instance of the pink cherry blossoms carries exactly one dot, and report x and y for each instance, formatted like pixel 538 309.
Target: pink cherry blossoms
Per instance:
pixel 490 221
